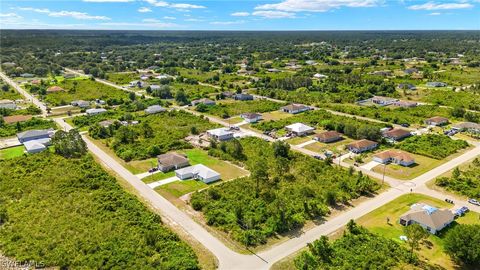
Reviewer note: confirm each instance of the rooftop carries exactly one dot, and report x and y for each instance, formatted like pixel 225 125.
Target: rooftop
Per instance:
pixel 171 159
pixel 362 143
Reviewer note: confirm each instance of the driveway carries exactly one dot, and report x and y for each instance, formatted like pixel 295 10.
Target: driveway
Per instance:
pixel 370 165
pixel 163 182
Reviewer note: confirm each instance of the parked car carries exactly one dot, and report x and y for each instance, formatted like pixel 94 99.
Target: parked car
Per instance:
pixel 405 125
pixel 449 201
pixel 318 157
pixel 473 201
pixel 154 169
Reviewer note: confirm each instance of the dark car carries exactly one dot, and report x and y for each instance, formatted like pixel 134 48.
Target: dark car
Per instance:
pixel 405 125
pixel 154 169
pixel 318 157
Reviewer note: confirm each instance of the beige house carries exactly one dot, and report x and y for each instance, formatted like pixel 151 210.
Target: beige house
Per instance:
pixel 171 161
pixel 429 217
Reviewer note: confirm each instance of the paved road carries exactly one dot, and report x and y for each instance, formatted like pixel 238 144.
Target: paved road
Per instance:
pixel 27 95
pixel 229 259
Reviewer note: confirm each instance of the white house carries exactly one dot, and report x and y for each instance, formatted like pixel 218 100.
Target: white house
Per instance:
pixel 154 109
pixel 199 172
pixel 220 134
pixel 91 112
pixel 251 117
pixel 299 129
pixel 319 76
pixel 8 104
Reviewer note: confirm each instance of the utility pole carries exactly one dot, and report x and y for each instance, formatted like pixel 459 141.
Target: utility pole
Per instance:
pixel 384 167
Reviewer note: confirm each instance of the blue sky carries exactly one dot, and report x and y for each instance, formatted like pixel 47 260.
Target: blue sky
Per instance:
pixel 241 15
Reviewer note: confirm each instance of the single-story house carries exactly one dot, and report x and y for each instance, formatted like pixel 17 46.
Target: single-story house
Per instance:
pixel 27 75
pixel 199 172
pixel 153 68
pixel 80 103
pixel 319 76
pixel 204 101
pixel 310 62
pixel 16 118
pixel 145 76
pixel 394 156
pixel 106 123
pixel 429 217
pixel 34 134
pixel 384 101
pixel 154 87
pixel 8 104
pixel 228 94
pixel 436 84
pixel 407 86
pixel 220 134
pixel 91 112
pixel 55 88
pixel 243 97
pixel 138 84
pixel 163 76
pixel 382 73
pixel 36 146
pixel 171 161
pixel 251 117
pixel 328 136
pixel 295 108
pixel 362 146
pixel 273 70
pixel 465 126
pixel 299 129
pixel 154 109
pixel 405 104
pixel 410 71
pixel 396 134
pixel 436 121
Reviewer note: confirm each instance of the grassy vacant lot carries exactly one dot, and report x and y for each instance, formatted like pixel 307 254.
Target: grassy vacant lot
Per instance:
pixel 122 78
pixel 194 91
pixel 85 89
pixel 231 108
pixel 464 180
pixel 11 93
pixel 375 221
pixel 71 214
pixel 180 188
pixel 298 140
pixel 422 165
pixel 275 115
pixel 336 147
pixel 196 74
pixel 11 152
pixel 432 145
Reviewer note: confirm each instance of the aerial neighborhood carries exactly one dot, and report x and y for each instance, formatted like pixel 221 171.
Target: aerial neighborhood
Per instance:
pixel 223 150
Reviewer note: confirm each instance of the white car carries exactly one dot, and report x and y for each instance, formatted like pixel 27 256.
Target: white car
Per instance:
pixel 473 201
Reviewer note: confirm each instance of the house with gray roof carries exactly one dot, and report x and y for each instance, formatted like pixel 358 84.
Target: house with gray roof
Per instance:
pixel 35 134
pixel 430 218
pixel 154 109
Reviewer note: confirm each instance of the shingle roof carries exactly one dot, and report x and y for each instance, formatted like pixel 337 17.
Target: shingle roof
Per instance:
pixel 327 135
pixel 362 143
pixel 171 159
pixel 428 215
pixel 437 119
pixel 294 107
pixel 250 115
pixel 396 154
pixel 397 133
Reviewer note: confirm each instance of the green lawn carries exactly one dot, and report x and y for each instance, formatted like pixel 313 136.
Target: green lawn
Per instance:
pixel 234 120
pixel 336 147
pixel 85 89
pixel 12 152
pixel 298 140
pixel 275 115
pixel 179 188
pixel 376 221
pixel 157 177
pixel 122 78
pixel 422 165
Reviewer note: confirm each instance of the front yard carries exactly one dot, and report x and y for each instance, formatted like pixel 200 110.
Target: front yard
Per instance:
pixel 432 249
pixel 12 152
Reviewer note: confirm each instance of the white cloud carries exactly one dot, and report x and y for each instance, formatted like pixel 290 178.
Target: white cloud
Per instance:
pixel 151 20
pixel 169 18
pixel 240 14
pixel 180 6
pixel 316 5
pixel 272 14
pixel 135 25
pixel 108 1
pixel 227 22
pixel 436 6
pixel 10 15
pixel 73 14
pixel 435 14
pixel 194 20
pixel 144 9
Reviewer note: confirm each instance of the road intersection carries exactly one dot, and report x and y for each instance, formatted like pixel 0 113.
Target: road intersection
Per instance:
pixel 229 259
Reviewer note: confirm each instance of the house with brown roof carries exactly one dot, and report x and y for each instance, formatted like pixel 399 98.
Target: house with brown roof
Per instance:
pixel 394 156
pixel 16 118
pixel 396 134
pixel 171 161
pixel 430 218
pixel 54 89
pixel 436 121
pixel 251 117
pixel 328 136
pixel 467 126
pixel 361 146
pixel 405 104
pixel 295 108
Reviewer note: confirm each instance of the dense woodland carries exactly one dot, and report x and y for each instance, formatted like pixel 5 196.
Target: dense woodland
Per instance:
pixel 465 181
pixel 356 249
pixel 283 192
pixel 71 214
